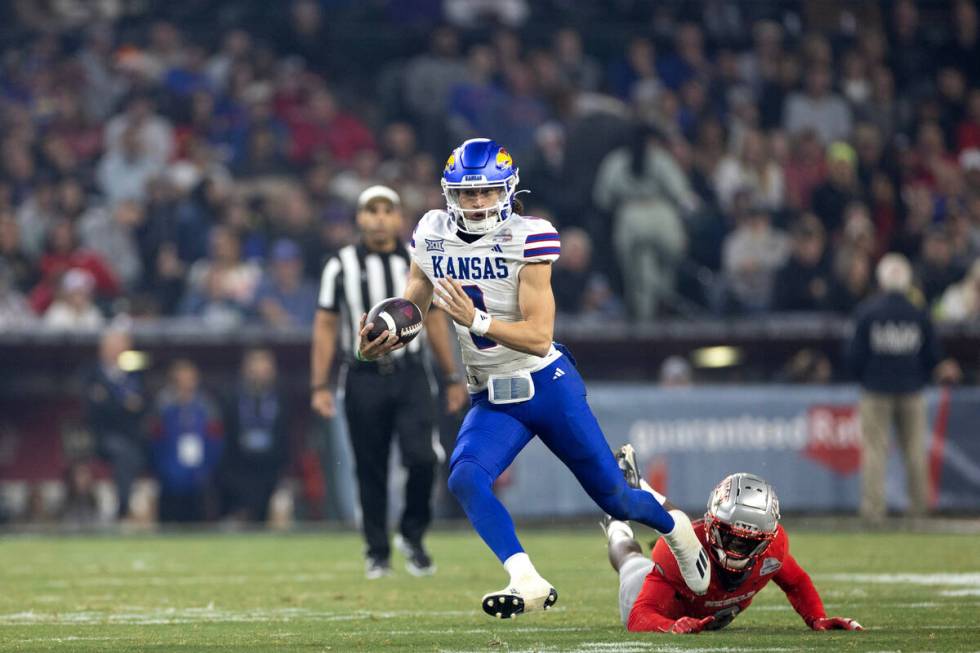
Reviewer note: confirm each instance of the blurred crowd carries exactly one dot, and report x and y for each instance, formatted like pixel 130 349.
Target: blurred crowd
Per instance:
pixel 199 160
pixel 210 455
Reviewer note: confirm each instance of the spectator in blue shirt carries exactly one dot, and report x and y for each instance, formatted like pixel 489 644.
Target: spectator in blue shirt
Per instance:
pixel 284 297
pixel 187 443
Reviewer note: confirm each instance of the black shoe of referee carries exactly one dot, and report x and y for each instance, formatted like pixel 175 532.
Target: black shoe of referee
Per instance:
pixel 418 562
pixel 375 568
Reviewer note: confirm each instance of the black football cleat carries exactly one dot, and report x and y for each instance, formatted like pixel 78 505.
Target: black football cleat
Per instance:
pixel 626 459
pixel 604 524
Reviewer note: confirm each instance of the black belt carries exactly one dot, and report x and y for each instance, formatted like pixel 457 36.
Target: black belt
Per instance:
pixel 386 365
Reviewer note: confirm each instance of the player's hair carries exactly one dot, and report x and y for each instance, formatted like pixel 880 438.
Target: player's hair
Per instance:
pixel 517 205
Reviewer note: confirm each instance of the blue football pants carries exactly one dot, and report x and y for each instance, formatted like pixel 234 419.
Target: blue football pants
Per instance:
pixel 493 434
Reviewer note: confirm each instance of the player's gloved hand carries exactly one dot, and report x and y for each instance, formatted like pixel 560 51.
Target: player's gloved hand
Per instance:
pixel 835 623
pixel 690 625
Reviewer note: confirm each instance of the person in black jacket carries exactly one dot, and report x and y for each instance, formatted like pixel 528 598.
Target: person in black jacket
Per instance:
pixel 893 353
pixel 115 405
pixel 803 283
pixel 257 439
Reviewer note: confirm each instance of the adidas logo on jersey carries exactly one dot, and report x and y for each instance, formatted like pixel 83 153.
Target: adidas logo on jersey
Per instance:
pixel 496 248
pixel 558 373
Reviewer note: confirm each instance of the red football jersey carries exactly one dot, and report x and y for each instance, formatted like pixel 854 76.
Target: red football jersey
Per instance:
pixel 665 598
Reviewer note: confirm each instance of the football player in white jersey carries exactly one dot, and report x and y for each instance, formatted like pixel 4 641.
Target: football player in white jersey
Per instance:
pixel 489 267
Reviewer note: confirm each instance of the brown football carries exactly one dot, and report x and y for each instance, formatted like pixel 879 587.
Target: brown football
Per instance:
pixel 397 315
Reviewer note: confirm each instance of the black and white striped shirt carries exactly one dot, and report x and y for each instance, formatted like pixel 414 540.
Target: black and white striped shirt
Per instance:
pixel 354 280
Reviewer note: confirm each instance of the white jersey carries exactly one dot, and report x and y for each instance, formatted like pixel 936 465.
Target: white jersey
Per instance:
pixel 488 269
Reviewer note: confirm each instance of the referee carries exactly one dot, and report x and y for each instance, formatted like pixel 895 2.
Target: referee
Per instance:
pixel 387 396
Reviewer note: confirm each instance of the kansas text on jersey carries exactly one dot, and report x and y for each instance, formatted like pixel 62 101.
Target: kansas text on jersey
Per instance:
pixel 489 271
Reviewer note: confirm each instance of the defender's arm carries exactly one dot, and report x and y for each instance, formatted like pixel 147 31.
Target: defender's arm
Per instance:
pixel 805 599
pixel 657 599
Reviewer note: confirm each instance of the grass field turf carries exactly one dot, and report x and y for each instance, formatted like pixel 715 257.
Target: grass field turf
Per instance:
pixel 305 592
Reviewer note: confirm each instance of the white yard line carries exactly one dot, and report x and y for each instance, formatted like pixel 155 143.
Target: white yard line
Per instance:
pixel 70 638
pixel 966 578
pixel 168 581
pixel 483 631
pixel 635 647
pixel 210 615
pixel 971 591
pixel 881 604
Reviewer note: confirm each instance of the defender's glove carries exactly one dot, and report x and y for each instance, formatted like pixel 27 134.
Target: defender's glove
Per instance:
pixel 835 623
pixel 690 625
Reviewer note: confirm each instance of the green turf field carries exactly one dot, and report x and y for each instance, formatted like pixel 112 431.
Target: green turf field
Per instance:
pixel 305 592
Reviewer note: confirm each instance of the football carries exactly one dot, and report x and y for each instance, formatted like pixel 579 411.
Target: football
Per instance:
pixel 397 315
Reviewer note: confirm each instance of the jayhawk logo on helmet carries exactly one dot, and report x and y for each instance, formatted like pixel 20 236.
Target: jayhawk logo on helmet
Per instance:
pixel 479 163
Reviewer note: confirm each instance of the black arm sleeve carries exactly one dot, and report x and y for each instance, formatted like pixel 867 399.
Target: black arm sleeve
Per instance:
pixel 857 349
pixel 932 348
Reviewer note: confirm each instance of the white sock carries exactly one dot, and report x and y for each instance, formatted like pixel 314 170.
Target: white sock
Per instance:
pixel 619 529
pixel 519 565
pixel 661 499
pixel 682 523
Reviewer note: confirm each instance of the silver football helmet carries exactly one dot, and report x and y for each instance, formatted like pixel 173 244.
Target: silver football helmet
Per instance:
pixel 742 518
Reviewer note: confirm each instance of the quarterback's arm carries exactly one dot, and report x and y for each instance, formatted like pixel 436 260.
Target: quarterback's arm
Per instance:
pixel 418 289
pixel 533 334
pixel 437 330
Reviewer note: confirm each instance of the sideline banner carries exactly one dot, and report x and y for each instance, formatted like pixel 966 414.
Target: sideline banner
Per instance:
pixel 805 440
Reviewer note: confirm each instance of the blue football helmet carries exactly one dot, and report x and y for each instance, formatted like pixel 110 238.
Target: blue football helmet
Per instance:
pixel 479 163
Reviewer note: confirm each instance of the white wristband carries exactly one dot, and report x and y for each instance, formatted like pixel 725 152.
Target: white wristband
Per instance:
pixel 481 322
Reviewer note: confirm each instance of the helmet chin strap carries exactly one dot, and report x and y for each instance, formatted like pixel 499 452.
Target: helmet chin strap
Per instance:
pixel 727 563
pixel 484 225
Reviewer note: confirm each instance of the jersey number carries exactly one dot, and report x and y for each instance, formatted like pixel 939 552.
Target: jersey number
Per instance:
pixel 476 295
